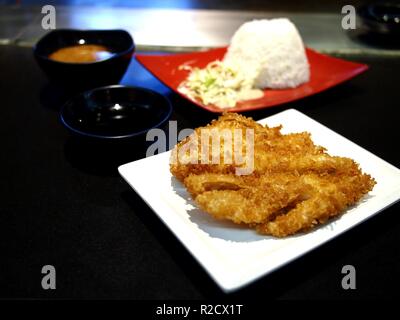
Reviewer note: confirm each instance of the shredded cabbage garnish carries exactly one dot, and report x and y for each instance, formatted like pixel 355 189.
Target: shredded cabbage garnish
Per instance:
pixel 218 84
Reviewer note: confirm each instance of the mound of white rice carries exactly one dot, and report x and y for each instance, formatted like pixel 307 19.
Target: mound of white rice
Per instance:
pixel 271 52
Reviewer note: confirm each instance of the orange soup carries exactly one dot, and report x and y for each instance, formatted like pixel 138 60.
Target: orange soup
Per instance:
pixel 82 53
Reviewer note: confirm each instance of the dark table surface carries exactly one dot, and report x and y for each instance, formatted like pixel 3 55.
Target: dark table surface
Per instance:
pixel 64 204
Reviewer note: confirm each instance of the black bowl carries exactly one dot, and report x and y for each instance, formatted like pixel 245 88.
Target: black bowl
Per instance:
pixel 381 18
pixel 115 113
pixel 91 74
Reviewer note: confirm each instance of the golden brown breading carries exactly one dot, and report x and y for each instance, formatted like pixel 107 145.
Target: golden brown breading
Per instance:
pixel 184 163
pixel 245 199
pixel 330 197
pixel 274 152
pixel 294 186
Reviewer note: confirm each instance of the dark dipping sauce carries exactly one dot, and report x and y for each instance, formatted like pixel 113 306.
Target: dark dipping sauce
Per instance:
pixel 114 119
pixel 115 112
pixel 82 53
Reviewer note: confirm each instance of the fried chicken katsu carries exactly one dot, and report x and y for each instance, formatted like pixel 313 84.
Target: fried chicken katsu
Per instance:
pixel 293 184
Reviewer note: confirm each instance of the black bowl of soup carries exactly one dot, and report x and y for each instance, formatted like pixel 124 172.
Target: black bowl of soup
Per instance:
pixel 84 59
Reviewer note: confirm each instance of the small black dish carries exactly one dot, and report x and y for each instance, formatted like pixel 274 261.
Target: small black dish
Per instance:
pixel 90 74
pixel 115 113
pixel 381 18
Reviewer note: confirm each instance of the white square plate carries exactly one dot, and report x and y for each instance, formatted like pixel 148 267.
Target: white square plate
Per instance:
pixel 234 255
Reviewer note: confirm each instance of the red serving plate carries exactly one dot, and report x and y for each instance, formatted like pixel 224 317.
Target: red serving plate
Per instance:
pixel 326 72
